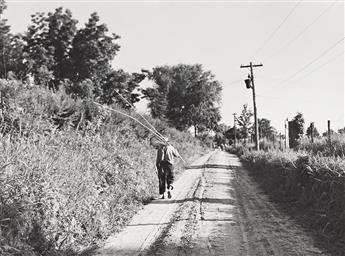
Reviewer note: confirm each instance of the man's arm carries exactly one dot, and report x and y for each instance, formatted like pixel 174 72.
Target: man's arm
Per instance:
pixel 175 152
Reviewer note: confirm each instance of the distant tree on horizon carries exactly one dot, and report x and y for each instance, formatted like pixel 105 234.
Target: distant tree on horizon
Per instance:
pixel 341 131
pixel 315 132
pixel 265 129
pixel 245 121
pixel 296 130
pixel 230 135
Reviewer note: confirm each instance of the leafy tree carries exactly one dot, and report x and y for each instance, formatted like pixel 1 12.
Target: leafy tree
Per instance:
pixel 11 51
pixel 244 121
pixel 62 29
pixel 49 41
pixel 341 131
pixel 203 97
pixel 230 134
pixel 296 130
pixel 325 134
pixel 315 132
pixel 16 62
pixel 80 60
pixel 203 118
pixel 92 52
pixel 220 137
pixel 39 55
pixel 265 128
pixel 120 82
pixel 4 42
pixel 83 89
pixel 158 95
pixel 2 6
pixel 185 95
pixel 222 128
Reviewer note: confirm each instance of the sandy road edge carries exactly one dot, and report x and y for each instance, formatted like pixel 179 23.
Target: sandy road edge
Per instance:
pixel 173 208
pixel 147 225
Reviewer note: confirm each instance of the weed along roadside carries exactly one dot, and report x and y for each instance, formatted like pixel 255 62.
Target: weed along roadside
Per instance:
pixel 64 190
pixel 309 187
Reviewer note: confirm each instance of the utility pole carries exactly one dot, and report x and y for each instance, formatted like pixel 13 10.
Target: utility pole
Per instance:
pixel 235 129
pixel 329 131
pixel 286 133
pixel 312 132
pixel 250 84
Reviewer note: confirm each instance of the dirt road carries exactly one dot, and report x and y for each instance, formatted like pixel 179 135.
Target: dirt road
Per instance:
pixel 216 209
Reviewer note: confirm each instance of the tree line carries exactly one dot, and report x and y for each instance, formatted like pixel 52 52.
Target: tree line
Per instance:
pixel 57 54
pixel 296 129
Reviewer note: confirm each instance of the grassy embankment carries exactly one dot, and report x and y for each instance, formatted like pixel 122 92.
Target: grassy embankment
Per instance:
pixel 65 189
pixel 311 178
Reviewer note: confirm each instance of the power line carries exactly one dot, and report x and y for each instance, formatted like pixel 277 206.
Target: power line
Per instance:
pixel 303 31
pixel 320 66
pixel 277 28
pixel 234 82
pixel 311 62
pixel 270 97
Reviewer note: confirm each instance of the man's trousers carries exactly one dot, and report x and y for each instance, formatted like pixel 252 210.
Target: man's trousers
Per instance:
pixel 165 176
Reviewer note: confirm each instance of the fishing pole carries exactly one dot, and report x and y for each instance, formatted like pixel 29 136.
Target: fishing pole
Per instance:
pixel 119 112
pixel 126 101
pixel 157 133
pixel 153 130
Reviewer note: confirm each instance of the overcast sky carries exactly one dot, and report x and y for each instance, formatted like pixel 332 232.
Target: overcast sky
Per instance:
pixel 299 43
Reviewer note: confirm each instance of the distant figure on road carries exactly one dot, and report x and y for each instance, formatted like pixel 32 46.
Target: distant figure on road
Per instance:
pixel 165 167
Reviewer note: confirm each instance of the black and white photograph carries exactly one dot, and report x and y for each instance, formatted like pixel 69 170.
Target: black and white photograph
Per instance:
pixel 172 128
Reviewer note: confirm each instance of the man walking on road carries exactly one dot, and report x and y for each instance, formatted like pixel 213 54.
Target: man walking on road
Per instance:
pixel 165 167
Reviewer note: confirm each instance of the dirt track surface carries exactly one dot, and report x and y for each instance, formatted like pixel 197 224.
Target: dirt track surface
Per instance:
pixel 216 209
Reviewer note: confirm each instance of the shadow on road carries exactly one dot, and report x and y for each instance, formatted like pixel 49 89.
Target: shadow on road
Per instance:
pixel 167 223
pixel 215 166
pixel 202 200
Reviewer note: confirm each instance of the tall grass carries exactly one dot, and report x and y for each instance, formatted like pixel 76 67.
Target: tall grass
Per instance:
pixel 322 146
pixel 71 174
pixel 315 181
